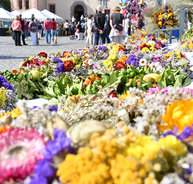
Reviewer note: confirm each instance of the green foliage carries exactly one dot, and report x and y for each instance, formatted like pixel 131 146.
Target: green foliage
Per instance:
pixel 5 4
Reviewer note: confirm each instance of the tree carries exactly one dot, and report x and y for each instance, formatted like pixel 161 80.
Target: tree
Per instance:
pixel 5 4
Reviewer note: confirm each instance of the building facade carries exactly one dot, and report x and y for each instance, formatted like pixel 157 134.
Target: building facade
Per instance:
pixel 65 8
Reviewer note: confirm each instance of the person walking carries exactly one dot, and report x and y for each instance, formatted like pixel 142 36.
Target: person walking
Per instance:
pixel 47 29
pixel 16 27
pixel 39 30
pixel 54 31
pixel 99 24
pixel 22 29
pixel 33 30
pixel 117 23
pixel 89 38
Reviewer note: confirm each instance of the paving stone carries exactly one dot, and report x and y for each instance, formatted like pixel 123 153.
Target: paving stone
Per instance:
pixel 11 56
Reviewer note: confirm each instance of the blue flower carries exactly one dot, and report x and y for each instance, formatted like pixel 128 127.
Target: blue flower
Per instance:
pixel 91 51
pixel 60 68
pixel 4 83
pixel 53 108
pixel 104 47
pixel 99 47
pixel 57 60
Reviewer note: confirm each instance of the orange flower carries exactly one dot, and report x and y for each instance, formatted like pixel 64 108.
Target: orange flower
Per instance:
pixel 87 82
pixel 179 114
pixel 87 65
pixel 123 59
pixel 14 71
pixel 5 129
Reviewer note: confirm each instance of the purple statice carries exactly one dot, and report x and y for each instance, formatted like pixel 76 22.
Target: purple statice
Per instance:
pixel 4 83
pixel 60 143
pixel 60 68
pixel 34 107
pixel 57 60
pixel 149 35
pixel 53 108
pixel 44 169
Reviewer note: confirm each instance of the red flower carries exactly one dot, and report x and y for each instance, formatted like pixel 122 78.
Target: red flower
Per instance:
pixel 68 65
pixel 65 53
pixel 158 45
pixel 42 54
pixel 14 71
pixel 26 63
pixel 119 65
pixel 112 94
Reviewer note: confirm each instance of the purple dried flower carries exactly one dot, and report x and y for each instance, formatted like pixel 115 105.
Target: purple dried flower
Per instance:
pixel 53 108
pixel 38 180
pixel 44 168
pixel 60 143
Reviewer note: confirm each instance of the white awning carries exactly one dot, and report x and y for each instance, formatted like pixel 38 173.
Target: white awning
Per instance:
pixel 52 15
pixel 6 15
pixel 37 13
pixel 15 12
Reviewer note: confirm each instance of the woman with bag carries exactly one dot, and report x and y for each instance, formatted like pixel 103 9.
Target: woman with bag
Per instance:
pixel 117 23
pixel 16 27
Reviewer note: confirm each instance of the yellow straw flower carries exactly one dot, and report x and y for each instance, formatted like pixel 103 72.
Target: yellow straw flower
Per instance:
pixel 179 114
pixel 2 96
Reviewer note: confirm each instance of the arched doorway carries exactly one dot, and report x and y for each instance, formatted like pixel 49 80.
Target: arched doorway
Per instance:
pixel 78 11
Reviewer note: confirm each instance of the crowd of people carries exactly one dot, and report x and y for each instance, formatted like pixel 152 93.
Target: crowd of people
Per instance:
pixel 103 28
pixel 21 30
pixel 98 29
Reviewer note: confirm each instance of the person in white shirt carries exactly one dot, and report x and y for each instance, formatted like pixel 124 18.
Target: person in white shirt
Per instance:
pixel 66 25
pixel 73 19
pixel 89 38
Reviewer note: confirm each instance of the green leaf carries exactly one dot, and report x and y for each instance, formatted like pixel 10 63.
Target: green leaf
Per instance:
pixel 186 81
pixel 178 82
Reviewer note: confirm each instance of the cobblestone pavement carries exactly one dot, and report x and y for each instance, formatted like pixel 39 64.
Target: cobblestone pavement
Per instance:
pixel 11 56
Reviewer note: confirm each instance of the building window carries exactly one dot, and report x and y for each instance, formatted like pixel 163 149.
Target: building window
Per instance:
pixel 52 8
pixel 20 4
pixel 27 4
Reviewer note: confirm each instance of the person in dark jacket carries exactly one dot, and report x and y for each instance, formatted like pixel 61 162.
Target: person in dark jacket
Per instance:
pixel 99 26
pixel 107 29
pixel 22 29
